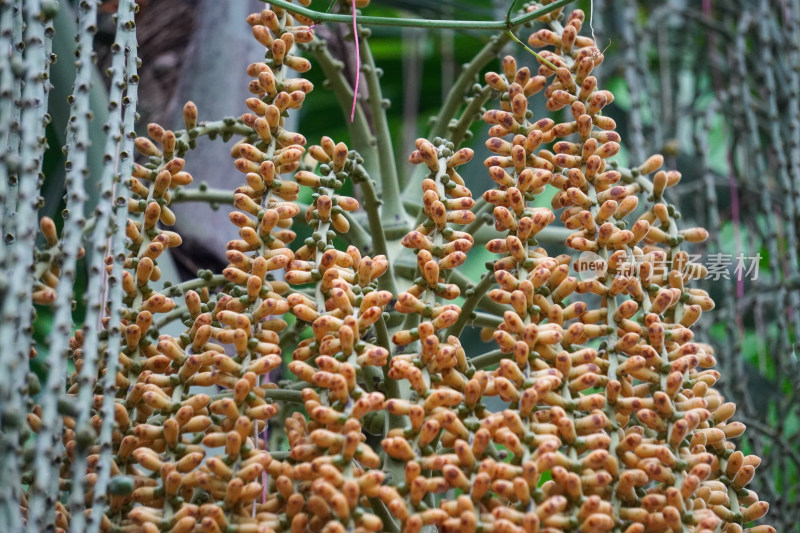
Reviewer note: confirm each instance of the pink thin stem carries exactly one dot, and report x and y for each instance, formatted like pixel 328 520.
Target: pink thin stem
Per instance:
pixel 358 64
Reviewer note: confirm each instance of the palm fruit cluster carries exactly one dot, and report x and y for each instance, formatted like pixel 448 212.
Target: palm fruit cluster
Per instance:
pixel 611 397
pixel 334 470
pixel 607 396
pixel 185 449
pixel 597 412
pixel 142 388
pixel 202 463
pixel 436 369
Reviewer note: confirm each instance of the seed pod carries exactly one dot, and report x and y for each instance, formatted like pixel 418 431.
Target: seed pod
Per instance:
pixel 743 476
pixel 653 163
pixel 190 115
pixel 148 459
pixel 695 234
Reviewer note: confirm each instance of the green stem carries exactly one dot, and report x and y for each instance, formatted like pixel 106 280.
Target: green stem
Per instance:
pixel 459 132
pixel 409 271
pixel 47 454
pixel 470 303
pixel 464 283
pixel 185 139
pixel 393 213
pixel 489 25
pixel 202 194
pixel 279 456
pixel 284 395
pixel 531 50
pixel 125 66
pixel 455 100
pixel 167 318
pixel 358 236
pixel 199 283
pixel 392 387
pixel 486 320
pixel 361 138
pixel 372 206
pixel 16 333
pixel 82 90
pixel 383 513
pixel 487 359
pixel 296 385
pixel 10 131
pixel 464 81
pixel 9 116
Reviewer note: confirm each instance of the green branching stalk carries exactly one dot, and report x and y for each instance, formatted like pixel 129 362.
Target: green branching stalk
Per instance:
pixel 388 520
pixel 487 359
pixel 391 385
pixel 202 193
pixel 455 97
pixel 486 320
pixel 465 284
pixel 422 23
pixel 213 280
pixel 357 235
pixel 361 137
pixel 464 81
pixel 372 205
pixel 460 131
pixel 16 333
pixel 473 297
pixel 611 304
pixel 294 396
pixel 396 219
pixel 225 128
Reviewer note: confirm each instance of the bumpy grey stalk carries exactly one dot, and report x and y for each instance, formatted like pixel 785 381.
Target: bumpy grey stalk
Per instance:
pixel 10 93
pixel 48 447
pixel 7 84
pixel 17 313
pixel 742 88
pixel 109 238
